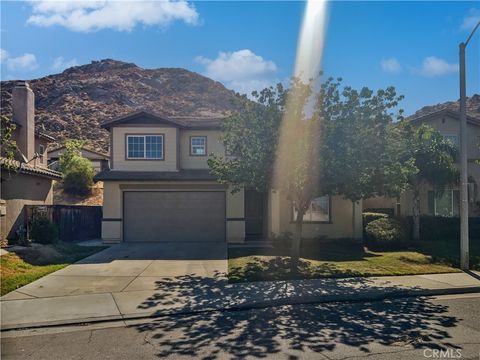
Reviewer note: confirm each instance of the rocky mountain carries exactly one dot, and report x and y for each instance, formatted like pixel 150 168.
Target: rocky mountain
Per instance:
pixel 74 103
pixel 473 107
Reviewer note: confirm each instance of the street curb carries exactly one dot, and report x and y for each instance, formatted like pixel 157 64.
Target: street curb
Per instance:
pixel 298 300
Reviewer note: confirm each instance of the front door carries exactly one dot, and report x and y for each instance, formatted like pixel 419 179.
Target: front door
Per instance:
pixel 253 214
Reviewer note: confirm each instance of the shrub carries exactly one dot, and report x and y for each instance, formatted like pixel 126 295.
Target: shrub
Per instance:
pixel 368 217
pixel 439 228
pixel 372 216
pixel 42 230
pixel 387 233
pixel 78 179
pixel 282 241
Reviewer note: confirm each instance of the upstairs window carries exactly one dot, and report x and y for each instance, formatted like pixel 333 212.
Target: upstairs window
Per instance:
pixel 145 147
pixel 446 205
pixel 41 152
pixel 198 145
pixel 453 139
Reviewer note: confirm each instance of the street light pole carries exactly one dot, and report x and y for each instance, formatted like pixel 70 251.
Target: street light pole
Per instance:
pixel 464 252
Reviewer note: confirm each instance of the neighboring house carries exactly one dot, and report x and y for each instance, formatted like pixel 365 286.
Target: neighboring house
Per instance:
pixel 99 160
pixel 446 121
pixel 31 182
pixel 159 189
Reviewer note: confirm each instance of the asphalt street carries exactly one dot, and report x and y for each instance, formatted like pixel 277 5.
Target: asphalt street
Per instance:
pixel 444 327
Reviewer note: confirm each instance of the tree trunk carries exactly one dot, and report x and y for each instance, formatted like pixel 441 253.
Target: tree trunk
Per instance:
pixel 353 220
pixel 416 215
pixel 296 242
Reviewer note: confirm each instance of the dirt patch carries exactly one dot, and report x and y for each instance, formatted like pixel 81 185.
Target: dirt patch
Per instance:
pixel 36 253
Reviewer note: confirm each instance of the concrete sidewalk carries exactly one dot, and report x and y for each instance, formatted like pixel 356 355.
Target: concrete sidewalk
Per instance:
pixel 191 293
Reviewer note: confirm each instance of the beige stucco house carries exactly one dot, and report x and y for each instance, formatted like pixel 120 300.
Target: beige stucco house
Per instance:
pixel 447 122
pixel 159 188
pixel 25 180
pixel 98 159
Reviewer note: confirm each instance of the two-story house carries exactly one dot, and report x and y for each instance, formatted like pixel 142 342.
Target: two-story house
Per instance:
pixel 26 179
pixel 159 189
pixel 447 122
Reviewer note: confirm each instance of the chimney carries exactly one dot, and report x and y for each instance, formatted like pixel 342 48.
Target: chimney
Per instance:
pixel 23 109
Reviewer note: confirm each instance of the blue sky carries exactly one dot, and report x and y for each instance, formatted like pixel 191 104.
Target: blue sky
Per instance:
pixel 248 45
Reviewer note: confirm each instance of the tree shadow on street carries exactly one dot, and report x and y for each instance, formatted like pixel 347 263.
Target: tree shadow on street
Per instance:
pixel 275 328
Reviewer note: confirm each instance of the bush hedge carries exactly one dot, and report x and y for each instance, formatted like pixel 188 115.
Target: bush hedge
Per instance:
pixel 438 228
pixel 78 179
pixel 42 230
pixel 387 234
pixel 368 217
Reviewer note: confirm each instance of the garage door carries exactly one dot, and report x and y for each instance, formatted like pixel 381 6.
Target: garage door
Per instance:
pixel 174 216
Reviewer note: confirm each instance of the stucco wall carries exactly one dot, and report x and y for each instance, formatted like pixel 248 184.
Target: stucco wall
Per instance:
pixel 119 161
pixel 20 190
pixel 341 225
pixel 214 146
pixel 113 206
pixel 450 126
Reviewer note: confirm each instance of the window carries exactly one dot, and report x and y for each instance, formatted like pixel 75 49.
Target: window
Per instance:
pixel 452 138
pixel 318 211
pixel 145 147
pixel 198 145
pixel 445 205
pixel 41 151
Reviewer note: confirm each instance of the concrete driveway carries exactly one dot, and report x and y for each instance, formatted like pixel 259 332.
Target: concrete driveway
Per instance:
pixel 121 279
pixel 130 267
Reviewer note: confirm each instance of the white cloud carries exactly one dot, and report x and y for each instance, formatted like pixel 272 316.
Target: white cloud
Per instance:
pixel 23 62
pixel 241 70
pixel 471 19
pixel 85 16
pixel 433 66
pixel 60 64
pixel 3 56
pixel 390 65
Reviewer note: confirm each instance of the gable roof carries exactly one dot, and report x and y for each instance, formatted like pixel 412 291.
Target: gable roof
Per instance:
pixel 145 116
pixel 443 112
pixel 83 148
pixel 28 169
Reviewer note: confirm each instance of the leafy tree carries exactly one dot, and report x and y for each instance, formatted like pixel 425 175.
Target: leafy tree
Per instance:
pixel 9 146
pixel 73 149
pixel 421 156
pixel 77 171
pixel 297 162
pixel 354 138
pixel 252 137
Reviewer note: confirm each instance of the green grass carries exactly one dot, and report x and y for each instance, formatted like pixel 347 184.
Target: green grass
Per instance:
pixel 29 264
pixel 342 259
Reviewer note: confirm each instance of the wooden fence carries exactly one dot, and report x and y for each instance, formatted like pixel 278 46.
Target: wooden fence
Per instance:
pixel 75 222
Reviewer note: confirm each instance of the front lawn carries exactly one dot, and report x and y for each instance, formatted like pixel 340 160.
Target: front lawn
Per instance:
pixel 336 259
pixel 31 263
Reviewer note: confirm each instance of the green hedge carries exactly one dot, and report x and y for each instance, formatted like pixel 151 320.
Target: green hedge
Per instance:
pixel 438 228
pixel 371 216
pixel 42 230
pixel 387 234
pixel 368 217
